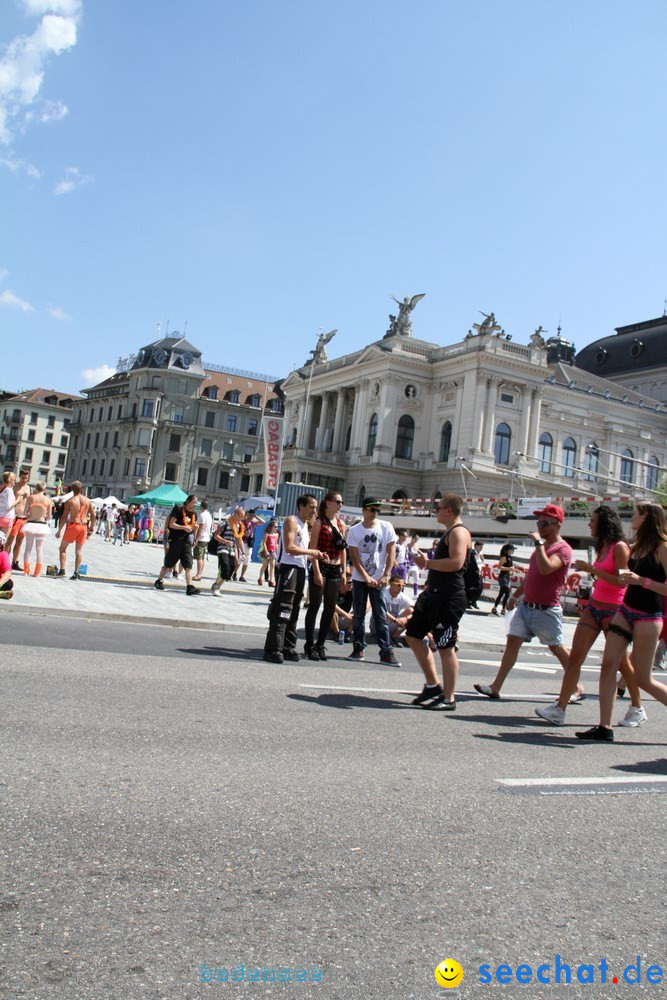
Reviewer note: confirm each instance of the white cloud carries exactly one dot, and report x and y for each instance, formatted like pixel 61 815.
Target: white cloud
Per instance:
pixel 4 273
pixel 94 375
pixel 73 179
pixel 58 313
pixel 25 57
pixel 20 166
pixel 9 299
pixel 54 111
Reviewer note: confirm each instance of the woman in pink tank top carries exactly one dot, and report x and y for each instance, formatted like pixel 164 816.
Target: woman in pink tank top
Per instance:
pixel 611 557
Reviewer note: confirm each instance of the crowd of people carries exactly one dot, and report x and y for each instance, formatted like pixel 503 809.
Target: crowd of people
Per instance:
pixel 348 573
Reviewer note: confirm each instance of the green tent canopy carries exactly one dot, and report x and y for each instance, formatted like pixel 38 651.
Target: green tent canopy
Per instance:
pixel 162 496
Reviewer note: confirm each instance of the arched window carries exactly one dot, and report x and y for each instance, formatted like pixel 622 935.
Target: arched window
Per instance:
pixel 436 496
pixel 545 451
pixel 652 473
pixel 627 467
pixel 404 437
pixel 569 457
pixel 400 495
pixel 253 400
pixel 372 434
pixel 591 462
pixel 502 445
pixel 233 395
pixel 445 442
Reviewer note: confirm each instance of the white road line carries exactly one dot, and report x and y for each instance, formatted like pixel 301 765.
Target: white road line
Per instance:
pixel 631 779
pixel 472 695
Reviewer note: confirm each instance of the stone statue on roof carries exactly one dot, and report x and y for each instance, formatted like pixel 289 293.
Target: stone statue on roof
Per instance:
pixel 319 355
pixel 401 325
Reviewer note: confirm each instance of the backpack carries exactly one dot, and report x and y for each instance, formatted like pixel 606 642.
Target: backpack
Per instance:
pixel 472 577
pixel 212 547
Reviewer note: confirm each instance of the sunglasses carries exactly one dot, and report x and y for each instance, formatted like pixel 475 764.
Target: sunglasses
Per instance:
pixel 546 524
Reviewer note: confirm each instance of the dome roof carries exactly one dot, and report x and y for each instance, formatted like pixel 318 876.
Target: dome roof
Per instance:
pixel 635 348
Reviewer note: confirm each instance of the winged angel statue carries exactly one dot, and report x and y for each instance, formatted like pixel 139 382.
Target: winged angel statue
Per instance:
pixel 319 355
pixel 401 325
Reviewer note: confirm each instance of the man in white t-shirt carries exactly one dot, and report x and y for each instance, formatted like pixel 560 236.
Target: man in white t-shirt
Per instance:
pixel 202 537
pixel 371 545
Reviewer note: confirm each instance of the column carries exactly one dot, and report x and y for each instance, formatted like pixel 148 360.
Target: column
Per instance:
pixel 321 434
pixel 535 414
pixel 359 418
pixel 306 421
pixel 336 446
pixel 490 415
pixel 481 391
pixel 522 442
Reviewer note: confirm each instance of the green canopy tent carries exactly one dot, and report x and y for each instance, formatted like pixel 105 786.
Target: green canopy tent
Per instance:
pixel 162 496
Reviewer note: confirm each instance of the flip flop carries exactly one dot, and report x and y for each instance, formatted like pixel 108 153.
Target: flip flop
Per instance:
pixel 576 698
pixel 486 691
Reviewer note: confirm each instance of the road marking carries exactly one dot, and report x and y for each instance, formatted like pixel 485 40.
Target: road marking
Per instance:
pixel 471 695
pixel 615 785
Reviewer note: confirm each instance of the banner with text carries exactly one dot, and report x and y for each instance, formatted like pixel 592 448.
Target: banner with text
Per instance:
pixel 273 430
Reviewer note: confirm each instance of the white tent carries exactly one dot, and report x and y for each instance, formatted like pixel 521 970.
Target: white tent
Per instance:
pixel 108 501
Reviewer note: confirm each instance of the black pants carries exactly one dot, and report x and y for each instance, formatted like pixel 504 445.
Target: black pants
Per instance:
pixel 283 612
pixel 503 595
pixel 331 578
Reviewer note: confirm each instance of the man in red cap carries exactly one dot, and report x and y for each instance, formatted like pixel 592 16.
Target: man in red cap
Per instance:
pixel 537 599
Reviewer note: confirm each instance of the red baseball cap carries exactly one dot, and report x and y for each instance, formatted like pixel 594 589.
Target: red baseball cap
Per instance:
pixel 553 511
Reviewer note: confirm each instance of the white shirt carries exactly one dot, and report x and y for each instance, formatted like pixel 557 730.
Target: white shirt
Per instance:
pixel 371 545
pixel 204 518
pixel 302 539
pixel 397 605
pixel 401 553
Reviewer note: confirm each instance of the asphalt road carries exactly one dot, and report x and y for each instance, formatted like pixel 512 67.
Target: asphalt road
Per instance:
pixel 172 806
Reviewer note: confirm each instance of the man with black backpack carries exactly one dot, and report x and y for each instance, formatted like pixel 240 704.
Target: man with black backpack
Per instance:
pixel 440 607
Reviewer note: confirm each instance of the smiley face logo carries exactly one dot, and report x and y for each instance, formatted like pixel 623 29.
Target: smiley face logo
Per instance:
pixel 449 973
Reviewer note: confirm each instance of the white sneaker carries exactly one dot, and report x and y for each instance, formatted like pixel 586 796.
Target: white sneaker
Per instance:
pixel 633 717
pixel 552 713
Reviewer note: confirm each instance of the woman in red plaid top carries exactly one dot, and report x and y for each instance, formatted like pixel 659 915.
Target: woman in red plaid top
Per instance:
pixel 326 580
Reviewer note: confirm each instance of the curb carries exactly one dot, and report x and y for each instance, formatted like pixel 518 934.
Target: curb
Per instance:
pixel 133 619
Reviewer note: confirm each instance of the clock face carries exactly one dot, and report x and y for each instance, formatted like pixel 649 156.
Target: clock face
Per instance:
pixel 186 360
pixel 160 358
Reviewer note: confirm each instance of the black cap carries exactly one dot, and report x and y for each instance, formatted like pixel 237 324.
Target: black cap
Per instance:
pixel 371 502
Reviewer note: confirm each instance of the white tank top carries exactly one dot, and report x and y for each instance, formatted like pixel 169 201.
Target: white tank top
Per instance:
pixel 302 539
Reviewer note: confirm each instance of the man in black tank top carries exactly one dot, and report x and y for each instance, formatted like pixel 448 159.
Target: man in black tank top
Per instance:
pixel 440 606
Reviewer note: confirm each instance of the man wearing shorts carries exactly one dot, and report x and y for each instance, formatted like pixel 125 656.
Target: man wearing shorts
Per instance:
pixel 537 599
pixel 21 491
pixel 180 526
pixel 78 516
pixel 202 537
pixel 440 607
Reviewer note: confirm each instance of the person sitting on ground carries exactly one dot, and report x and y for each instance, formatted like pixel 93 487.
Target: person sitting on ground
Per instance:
pixel 399 610
pixel 6 582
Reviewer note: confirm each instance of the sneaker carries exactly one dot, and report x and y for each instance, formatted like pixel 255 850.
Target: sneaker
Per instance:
pixel 174 574
pixel 273 657
pixel 241 579
pixel 311 654
pixel 428 693
pixel 598 734
pixel 158 584
pixel 61 572
pixel 192 591
pixel 552 713
pixel 389 658
pixel 74 576
pixel 494 611
pixel 487 691
pixel 216 592
pixel 357 653
pixel 15 566
pixel 322 652
pixel 633 717
pixel 291 655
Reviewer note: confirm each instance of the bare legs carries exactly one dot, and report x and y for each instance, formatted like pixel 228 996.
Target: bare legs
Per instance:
pixel 426 660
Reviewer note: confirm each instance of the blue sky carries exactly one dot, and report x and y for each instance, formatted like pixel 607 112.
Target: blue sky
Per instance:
pixel 264 169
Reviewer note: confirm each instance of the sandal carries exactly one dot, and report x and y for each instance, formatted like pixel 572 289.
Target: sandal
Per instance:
pixel 487 691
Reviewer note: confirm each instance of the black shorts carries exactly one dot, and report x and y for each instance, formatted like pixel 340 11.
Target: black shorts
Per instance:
pixel 438 615
pixel 179 551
